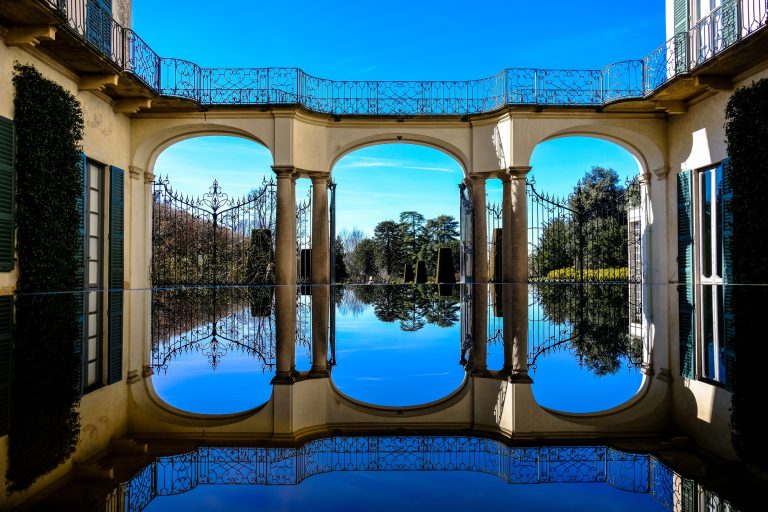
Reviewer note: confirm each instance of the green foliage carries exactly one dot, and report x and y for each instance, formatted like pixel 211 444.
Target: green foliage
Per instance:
pixel 363 262
pixel 590 274
pixel 412 306
pixel 600 319
pixel 396 243
pixel 746 133
pixel 595 234
pixel 389 237
pixel 44 425
pixel 340 267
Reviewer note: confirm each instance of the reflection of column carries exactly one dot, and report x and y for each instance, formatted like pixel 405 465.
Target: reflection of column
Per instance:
pixel 480 276
pixel 321 269
pixel 320 310
pixel 516 265
pixel 285 333
pixel 285 275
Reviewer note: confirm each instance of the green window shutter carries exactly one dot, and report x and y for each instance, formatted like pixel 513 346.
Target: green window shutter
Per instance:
pixel 6 353
pixel 729 329
pixel 681 16
pixel 98 22
pixel 685 275
pixel 80 302
pixel 116 256
pixel 7 178
pixel 680 43
pixel 730 29
pixel 687 495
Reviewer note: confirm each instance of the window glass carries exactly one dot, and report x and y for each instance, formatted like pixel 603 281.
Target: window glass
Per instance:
pixel 705 190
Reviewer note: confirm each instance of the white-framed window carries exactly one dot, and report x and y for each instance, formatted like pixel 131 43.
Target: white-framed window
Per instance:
pixel 95 269
pixel 709 271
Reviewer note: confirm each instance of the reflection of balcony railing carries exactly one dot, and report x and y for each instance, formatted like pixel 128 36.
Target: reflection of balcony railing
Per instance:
pixel 638 473
pixel 632 79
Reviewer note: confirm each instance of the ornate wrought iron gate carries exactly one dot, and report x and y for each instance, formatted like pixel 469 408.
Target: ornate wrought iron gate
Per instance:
pixel 586 275
pixel 213 240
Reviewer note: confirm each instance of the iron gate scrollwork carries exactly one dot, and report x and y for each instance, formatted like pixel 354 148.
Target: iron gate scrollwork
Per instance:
pixel 204 250
pixel 586 275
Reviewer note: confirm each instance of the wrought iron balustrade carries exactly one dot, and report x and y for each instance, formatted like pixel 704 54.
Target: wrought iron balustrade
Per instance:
pixel 631 79
pixel 631 472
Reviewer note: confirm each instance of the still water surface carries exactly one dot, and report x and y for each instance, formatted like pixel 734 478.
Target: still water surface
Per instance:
pixel 393 346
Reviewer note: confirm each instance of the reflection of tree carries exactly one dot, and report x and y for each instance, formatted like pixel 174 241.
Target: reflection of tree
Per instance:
pixel 599 319
pixel 212 320
pixel 412 306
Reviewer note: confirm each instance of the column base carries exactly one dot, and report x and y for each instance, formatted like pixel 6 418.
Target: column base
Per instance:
pixel 283 378
pixel 520 377
pixel 480 373
pixel 319 373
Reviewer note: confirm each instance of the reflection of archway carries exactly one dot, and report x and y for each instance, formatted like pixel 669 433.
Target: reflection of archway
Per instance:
pixel 586 263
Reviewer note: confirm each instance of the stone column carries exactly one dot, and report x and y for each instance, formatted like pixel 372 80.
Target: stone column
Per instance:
pixel 480 277
pixel 516 268
pixel 321 273
pixel 506 271
pixel 285 276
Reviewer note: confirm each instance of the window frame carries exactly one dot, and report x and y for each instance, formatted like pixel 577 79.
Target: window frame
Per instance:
pixel 714 281
pixel 102 275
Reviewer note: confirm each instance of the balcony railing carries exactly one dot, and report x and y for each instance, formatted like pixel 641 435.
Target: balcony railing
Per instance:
pixel 627 80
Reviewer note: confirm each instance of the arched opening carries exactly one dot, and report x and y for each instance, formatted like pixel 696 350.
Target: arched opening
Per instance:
pixel 585 225
pixel 212 342
pixel 397 333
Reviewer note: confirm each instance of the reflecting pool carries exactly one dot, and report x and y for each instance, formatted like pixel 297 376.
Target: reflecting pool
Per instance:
pixel 213 349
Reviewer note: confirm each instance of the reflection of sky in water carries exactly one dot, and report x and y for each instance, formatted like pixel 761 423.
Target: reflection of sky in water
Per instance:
pixel 238 382
pixel 379 363
pixel 447 491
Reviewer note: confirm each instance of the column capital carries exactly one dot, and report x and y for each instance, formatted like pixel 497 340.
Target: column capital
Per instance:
pixel 284 171
pixel 662 172
pixel 479 177
pixel 135 172
pixel 518 172
pixel 645 178
pixel 148 177
pixel 320 177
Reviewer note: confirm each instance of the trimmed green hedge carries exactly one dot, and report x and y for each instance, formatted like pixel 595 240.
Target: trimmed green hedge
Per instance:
pixel 45 423
pixel 590 274
pixel 746 135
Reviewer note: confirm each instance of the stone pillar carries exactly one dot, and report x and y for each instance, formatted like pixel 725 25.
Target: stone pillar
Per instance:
pixel 285 230
pixel 321 273
pixel 506 271
pixel 516 270
pixel 480 277
pixel 285 276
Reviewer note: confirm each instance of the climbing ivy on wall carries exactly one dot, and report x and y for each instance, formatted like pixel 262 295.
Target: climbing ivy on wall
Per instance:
pixel 45 423
pixel 746 135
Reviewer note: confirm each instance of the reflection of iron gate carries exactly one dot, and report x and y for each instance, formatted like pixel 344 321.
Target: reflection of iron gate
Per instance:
pixel 213 239
pixel 213 321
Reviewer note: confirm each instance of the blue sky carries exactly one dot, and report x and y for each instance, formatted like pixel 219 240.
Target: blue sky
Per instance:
pixel 378 182
pixel 396 40
pixel 402 40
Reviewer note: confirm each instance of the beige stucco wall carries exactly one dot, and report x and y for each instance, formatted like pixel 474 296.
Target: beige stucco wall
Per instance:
pixel 106 139
pixel 697 139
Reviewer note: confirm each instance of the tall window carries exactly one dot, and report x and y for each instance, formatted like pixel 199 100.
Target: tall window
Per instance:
pixel 94 276
pixel 710 273
pixel 705 225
